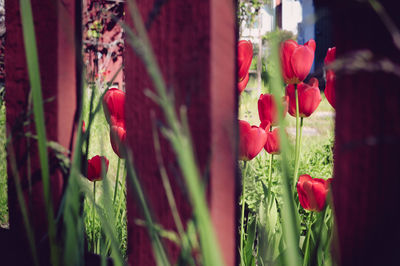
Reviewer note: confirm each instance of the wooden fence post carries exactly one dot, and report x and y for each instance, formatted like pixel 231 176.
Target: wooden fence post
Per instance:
pixel 195 45
pixel 54 28
pixel 366 171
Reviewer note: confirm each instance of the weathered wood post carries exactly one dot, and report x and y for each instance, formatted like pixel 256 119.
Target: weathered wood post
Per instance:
pixel 195 45
pixel 366 172
pixel 54 28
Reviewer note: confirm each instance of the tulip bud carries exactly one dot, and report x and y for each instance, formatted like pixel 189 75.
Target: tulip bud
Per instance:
pixel 242 84
pixel 272 146
pixel 267 110
pixel 95 166
pixel 312 192
pixel 117 139
pixel 296 60
pixel 330 77
pixel 252 140
pixel 114 106
pixel 309 98
pixel 245 56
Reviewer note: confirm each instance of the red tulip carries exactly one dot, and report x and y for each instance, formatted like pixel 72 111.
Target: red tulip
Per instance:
pixel 117 139
pixel 267 110
pixel 330 55
pixel 252 140
pixel 94 167
pixel 272 145
pixel 83 127
pixel 296 60
pixel 245 55
pixel 312 192
pixel 242 84
pixel 330 77
pixel 114 106
pixel 309 98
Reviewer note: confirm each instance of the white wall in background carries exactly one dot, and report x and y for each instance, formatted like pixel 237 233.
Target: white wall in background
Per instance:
pixel 291 15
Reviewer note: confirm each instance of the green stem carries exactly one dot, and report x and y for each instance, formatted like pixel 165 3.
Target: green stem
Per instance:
pixel 299 130
pixel 122 199
pixel 93 218
pixel 299 127
pixel 307 249
pixel 270 171
pixel 297 164
pixel 243 207
pixel 270 178
pixel 116 181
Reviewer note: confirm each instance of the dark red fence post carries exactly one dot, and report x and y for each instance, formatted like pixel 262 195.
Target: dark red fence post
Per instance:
pixel 367 180
pixel 195 46
pixel 54 28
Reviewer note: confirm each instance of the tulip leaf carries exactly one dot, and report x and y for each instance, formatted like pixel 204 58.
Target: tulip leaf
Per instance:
pixel 249 242
pixel 32 60
pixel 269 230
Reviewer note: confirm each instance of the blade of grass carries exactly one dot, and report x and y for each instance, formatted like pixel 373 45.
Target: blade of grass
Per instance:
pixel 73 220
pixel 38 112
pixel 289 213
pixel 158 248
pixel 165 181
pixel 185 243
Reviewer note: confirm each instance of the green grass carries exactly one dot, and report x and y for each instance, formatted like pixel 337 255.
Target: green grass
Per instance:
pixel 3 170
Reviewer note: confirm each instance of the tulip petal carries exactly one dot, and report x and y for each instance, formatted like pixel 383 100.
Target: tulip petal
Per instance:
pixel 265 125
pixel 252 140
pixel 319 191
pixel 242 84
pixel 330 77
pixel 330 55
pixel 302 60
pixel 312 201
pixel 94 167
pixel 286 51
pixel 311 44
pixel 267 109
pixel 272 146
pixel 117 139
pixel 309 98
pixel 245 56
pixel 303 198
pixel 312 192
pixel 290 93
pixel 114 106
pixel 330 88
